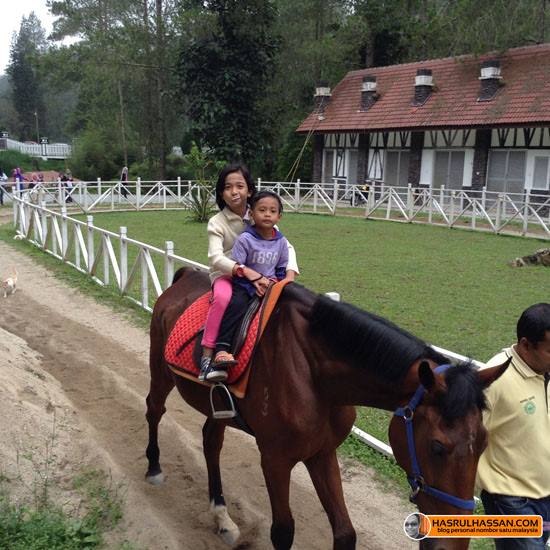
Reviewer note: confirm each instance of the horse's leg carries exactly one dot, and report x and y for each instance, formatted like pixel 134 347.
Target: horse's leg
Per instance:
pixel 162 383
pixel 277 480
pixel 212 441
pixel 325 474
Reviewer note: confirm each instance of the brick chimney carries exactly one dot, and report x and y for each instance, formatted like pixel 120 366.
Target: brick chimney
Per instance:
pixel 490 79
pixel 368 92
pixel 423 86
pixel 322 96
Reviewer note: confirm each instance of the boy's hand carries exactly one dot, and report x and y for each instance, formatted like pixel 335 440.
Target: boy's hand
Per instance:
pixel 261 285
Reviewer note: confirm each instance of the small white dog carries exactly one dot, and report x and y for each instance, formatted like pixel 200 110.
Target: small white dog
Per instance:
pixel 8 285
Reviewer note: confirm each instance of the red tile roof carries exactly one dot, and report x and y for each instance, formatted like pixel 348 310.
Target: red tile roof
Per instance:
pixel 524 98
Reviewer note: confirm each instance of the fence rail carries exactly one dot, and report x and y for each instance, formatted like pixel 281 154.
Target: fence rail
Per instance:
pixel 523 214
pixel 138 271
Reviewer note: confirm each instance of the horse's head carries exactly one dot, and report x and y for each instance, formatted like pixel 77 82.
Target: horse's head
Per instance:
pixel 444 419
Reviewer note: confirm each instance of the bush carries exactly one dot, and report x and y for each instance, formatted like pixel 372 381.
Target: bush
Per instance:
pixel 12 159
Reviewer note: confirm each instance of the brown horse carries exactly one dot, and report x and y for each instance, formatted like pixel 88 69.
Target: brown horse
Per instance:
pixel 316 360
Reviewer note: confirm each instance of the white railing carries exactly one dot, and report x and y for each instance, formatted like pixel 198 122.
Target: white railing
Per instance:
pixel 526 214
pixel 46 150
pixel 130 266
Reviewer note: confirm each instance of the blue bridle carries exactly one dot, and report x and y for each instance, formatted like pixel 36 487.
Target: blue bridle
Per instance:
pixel 416 481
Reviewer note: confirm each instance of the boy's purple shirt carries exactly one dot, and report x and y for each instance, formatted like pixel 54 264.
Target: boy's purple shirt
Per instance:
pixel 268 257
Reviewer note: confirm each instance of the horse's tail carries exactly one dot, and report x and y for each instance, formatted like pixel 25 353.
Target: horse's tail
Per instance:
pixel 179 274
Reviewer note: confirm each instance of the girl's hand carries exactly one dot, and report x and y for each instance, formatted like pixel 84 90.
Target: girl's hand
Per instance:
pixel 261 285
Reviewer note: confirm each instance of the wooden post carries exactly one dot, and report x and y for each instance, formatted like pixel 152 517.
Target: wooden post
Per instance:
pixel 123 258
pixel 90 242
pixel 168 264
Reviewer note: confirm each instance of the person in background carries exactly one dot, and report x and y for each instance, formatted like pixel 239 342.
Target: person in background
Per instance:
pixel 19 179
pixel 3 180
pixel 514 469
pixel 123 181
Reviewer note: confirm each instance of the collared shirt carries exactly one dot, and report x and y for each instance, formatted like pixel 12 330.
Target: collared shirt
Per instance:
pixel 517 459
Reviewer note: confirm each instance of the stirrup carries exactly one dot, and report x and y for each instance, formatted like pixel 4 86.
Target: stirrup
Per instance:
pixel 220 414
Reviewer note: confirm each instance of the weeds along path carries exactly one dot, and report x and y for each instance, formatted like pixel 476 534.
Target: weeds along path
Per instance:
pixel 99 363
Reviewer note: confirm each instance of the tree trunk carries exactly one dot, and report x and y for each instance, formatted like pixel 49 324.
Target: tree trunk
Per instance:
pixel 160 89
pixel 122 123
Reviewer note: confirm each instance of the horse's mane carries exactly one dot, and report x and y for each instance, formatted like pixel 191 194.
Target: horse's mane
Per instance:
pixel 368 341
pixel 464 392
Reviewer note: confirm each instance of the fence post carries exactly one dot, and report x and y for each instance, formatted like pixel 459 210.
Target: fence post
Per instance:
pixel 60 194
pixel 44 223
pixel 410 201
pixel 498 213
pixel 123 258
pixel 315 197
pixel 335 196
pixel 64 233
pixel 168 264
pixel 259 184
pixel 14 206
pixel 163 195
pixel 297 195
pixel 452 208
pixel 99 187
pixel 483 197
pixel 138 193
pixel 179 188
pixel 144 281
pixel 526 212
pixel 90 242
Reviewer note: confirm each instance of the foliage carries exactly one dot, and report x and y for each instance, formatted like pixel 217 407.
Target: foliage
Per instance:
pixel 94 156
pixel 23 72
pixel 10 159
pixel 224 71
pixel 204 170
pixel 46 526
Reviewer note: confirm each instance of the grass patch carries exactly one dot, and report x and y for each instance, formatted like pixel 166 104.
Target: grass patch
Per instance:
pixel 45 526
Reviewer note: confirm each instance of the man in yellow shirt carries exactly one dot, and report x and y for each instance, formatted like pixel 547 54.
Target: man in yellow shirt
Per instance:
pixel 514 469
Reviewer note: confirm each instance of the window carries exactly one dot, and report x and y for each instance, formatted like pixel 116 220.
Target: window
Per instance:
pixel 506 172
pixel 540 176
pixel 328 166
pixel 397 168
pixel 449 169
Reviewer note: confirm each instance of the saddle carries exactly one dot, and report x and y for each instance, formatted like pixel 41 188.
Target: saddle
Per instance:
pixel 183 347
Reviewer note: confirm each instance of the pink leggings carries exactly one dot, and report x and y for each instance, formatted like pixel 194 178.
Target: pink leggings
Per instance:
pixel 222 290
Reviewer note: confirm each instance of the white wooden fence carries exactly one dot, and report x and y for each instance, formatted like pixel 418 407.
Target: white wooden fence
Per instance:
pixel 525 214
pixel 137 270
pixel 45 150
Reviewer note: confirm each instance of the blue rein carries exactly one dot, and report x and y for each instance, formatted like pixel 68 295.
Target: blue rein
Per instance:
pixel 416 481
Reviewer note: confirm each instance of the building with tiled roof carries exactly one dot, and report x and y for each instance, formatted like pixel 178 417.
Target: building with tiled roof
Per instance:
pixel 462 122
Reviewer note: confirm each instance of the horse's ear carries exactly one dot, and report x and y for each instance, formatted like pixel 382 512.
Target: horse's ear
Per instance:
pixel 426 375
pixel 488 376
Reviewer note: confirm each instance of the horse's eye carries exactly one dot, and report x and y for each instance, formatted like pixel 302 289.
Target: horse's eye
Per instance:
pixel 438 448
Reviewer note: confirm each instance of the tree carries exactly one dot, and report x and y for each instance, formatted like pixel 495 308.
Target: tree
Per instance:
pixel 26 48
pixel 224 70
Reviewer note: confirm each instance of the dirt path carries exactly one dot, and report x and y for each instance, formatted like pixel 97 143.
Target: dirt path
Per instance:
pixel 62 352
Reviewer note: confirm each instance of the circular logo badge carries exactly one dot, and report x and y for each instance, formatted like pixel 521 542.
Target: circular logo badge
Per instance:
pixel 417 526
pixel 530 407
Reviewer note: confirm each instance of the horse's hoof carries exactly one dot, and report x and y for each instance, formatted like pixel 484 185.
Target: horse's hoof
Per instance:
pixel 229 536
pixel 227 528
pixel 156 479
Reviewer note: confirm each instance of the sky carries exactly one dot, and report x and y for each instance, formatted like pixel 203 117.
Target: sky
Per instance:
pixel 11 12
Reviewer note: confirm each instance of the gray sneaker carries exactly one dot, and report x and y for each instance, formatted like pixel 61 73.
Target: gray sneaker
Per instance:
pixel 205 367
pixel 216 374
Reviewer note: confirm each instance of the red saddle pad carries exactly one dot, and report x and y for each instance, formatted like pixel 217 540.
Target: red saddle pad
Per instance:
pixel 181 343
